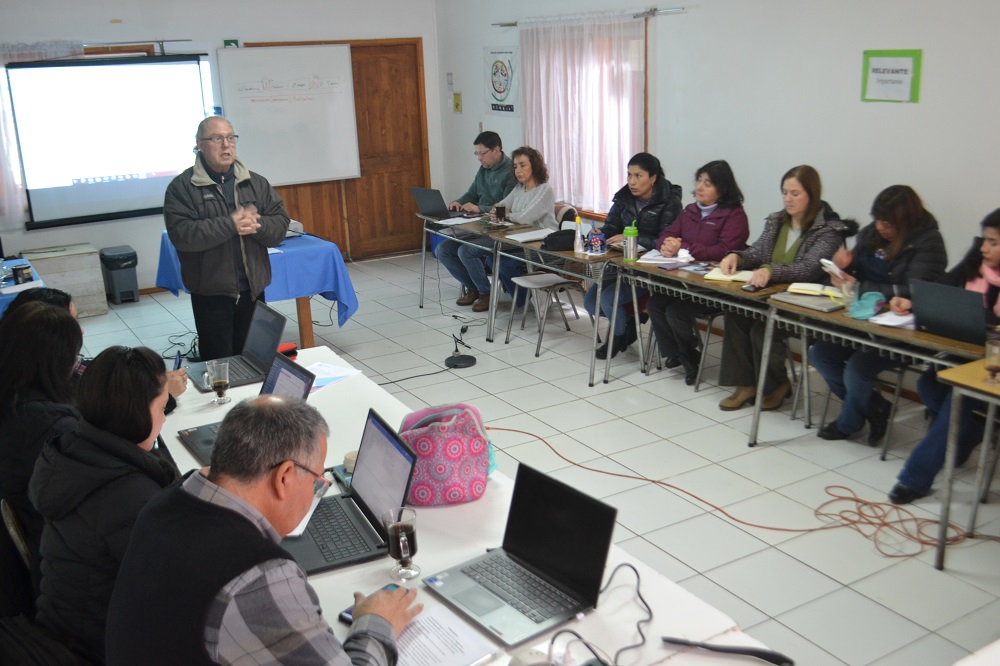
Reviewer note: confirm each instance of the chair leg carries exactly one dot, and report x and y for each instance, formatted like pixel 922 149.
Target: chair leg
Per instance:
pixel 704 352
pixel 826 406
pixel 991 470
pixel 542 310
pixel 532 296
pixel 892 411
pixel 647 360
pixel 513 314
pixel 569 297
pixel 555 294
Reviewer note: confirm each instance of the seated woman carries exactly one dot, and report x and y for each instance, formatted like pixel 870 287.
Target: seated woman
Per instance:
pixel 650 202
pixel 902 244
pixel 90 484
pixel 710 228
pixel 40 351
pixel 788 250
pixel 978 271
pixel 530 202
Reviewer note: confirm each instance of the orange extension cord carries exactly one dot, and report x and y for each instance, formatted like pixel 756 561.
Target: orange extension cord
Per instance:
pixel 876 521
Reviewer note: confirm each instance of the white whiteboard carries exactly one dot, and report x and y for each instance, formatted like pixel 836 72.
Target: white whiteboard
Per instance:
pixel 293 108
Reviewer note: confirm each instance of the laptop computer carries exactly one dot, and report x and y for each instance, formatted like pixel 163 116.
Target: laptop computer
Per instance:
pixel 346 529
pixel 557 538
pixel 266 328
pixel 431 203
pixel 820 303
pixel 285 378
pixel 952 312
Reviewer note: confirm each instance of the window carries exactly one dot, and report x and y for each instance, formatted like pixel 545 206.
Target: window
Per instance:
pixel 584 91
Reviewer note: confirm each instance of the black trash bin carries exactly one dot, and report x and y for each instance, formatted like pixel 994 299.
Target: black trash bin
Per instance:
pixel 118 267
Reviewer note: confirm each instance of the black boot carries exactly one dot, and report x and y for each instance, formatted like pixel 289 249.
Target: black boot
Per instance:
pixel 618 344
pixel 631 334
pixel 689 359
pixel 878 418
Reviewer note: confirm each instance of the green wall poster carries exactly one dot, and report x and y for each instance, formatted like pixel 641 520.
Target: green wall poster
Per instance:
pixel 891 76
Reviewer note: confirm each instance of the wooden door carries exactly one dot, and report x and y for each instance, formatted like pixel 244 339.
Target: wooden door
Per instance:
pixel 374 215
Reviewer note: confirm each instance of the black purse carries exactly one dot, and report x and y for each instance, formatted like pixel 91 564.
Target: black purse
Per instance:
pixel 559 240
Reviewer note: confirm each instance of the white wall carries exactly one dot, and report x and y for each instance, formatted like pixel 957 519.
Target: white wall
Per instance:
pixel 768 85
pixel 207 24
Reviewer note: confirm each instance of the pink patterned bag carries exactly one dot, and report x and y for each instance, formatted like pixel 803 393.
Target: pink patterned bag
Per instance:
pixel 454 455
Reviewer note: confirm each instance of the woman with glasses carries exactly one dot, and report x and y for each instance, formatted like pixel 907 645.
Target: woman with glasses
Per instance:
pixel 40 350
pixel 90 484
pixel 901 244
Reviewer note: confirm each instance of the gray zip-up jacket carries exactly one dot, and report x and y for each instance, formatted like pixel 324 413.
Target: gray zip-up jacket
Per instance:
pixel 201 228
pixel 823 238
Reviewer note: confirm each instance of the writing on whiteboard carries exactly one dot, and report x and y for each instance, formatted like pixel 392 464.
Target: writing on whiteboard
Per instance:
pixel 314 85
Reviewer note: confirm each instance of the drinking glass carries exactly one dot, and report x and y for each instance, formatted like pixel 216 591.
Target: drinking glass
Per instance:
pixel 992 361
pixel 849 291
pixel 401 526
pixel 217 376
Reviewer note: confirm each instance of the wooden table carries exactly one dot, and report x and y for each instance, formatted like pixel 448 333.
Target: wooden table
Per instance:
pixel 967 380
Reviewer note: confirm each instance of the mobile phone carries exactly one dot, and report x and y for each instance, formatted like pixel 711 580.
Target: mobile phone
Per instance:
pixel 347 615
pixel 749 287
pixel 177 360
pixel 831 268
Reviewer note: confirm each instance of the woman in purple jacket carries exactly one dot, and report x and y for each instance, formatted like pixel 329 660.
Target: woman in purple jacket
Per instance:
pixel 710 228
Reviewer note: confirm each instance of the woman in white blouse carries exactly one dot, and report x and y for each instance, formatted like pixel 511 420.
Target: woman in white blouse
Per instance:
pixel 530 202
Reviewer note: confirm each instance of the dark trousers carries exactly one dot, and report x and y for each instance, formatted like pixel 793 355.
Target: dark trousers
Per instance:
pixel 222 323
pixel 673 321
pixel 743 349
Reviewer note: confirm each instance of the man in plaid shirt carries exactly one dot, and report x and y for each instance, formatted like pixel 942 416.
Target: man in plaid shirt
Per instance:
pixel 205 580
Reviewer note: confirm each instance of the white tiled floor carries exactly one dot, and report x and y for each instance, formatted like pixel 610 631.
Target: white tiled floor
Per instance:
pixel 824 597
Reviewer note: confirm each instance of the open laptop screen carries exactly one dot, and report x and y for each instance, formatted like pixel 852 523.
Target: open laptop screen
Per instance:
pixel 288 379
pixel 560 531
pixel 383 468
pixel 268 324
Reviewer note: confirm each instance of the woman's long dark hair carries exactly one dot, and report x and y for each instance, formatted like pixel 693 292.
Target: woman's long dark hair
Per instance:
pixel 901 207
pixel 973 261
pixel 808 177
pixel 721 175
pixel 40 344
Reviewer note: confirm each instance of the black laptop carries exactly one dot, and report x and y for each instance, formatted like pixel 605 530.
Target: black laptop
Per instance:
pixel 430 203
pixel 285 378
pixel 266 328
pixel 555 548
pixel 951 312
pixel 346 529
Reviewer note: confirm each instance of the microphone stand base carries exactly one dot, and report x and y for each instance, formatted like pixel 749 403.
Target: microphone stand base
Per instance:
pixel 460 361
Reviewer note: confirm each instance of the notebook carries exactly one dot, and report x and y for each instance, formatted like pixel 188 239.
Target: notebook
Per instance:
pixel 263 338
pixel 345 529
pixel 739 276
pixel 285 378
pixel 952 312
pixel 820 303
pixel 557 538
pixel 431 203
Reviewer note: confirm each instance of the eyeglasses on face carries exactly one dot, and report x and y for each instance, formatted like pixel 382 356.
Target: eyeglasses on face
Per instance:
pixel 320 483
pixel 218 139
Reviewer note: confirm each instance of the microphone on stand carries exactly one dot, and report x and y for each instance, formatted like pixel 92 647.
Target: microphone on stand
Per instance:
pixel 457 360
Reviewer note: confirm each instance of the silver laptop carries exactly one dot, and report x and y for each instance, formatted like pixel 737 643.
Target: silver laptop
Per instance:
pixel 346 529
pixel 285 378
pixel 431 204
pixel 266 328
pixel 951 312
pixel 550 567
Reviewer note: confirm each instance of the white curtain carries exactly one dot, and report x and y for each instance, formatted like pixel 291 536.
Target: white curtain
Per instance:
pixel 583 92
pixel 13 202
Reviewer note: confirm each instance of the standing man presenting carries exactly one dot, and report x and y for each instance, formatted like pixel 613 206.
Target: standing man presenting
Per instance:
pixel 494 180
pixel 221 218
pixel 205 579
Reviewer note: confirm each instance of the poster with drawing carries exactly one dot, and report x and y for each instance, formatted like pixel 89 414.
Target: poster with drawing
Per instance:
pixel 502 81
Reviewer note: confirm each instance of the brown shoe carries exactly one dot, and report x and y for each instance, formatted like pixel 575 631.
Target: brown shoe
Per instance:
pixel 468 298
pixel 741 397
pixel 774 399
pixel 482 305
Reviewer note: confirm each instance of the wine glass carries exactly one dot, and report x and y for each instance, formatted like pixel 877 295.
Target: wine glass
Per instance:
pixel 217 375
pixel 401 526
pixel 992 361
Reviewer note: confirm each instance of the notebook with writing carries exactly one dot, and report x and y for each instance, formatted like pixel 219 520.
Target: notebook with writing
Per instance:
pixel 550 567
pixel 266 328
pixel 285 378
pixel 345 529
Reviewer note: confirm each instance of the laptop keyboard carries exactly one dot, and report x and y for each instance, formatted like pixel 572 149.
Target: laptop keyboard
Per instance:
pixel 238 369
pixel 335 534
pixel 520 588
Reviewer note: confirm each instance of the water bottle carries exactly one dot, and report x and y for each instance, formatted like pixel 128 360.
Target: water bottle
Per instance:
pixel 631 243
pixel 578 239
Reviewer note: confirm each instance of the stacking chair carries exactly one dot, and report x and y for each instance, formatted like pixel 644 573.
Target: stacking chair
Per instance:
pixel 549 284
pixel 653 351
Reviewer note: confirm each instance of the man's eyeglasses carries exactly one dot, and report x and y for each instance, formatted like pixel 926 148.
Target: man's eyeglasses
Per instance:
pixel 481 153
pixel 320 483
pixel 219 140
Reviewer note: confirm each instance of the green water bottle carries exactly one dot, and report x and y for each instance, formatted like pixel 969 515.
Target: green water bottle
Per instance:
pixel 631 243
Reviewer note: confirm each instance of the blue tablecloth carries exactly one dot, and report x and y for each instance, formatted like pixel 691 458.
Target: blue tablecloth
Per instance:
pixel 306 266
pixel 5 299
